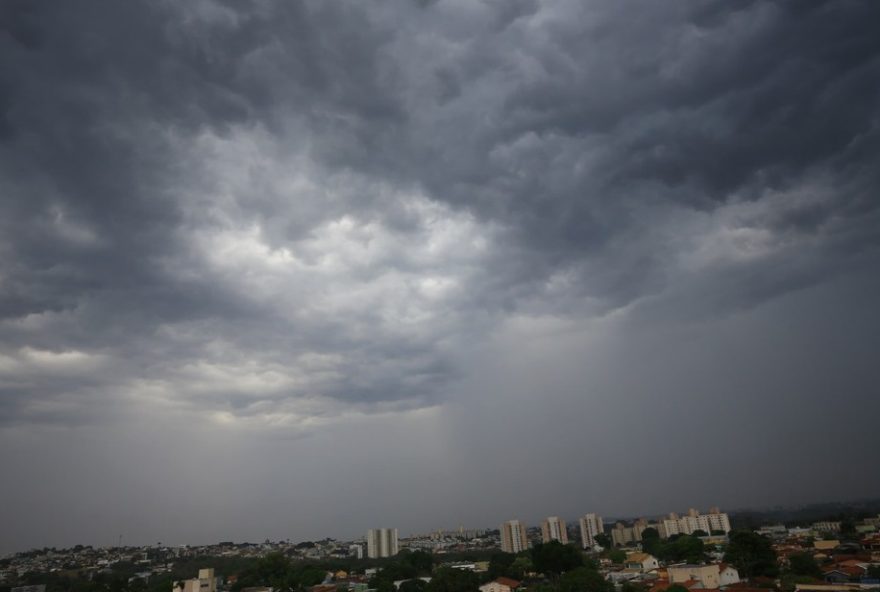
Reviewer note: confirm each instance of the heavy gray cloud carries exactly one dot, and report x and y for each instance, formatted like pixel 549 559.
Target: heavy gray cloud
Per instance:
pixel 433 244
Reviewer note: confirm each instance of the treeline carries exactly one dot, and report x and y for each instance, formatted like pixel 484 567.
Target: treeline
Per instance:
pixel 550 567
pixel 675 549
pixel 846 513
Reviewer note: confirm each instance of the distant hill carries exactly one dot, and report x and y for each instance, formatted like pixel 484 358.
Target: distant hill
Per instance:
pixel 805 514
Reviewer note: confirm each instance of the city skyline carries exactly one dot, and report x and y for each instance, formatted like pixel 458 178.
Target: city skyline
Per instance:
pixel 471 531
pixel 299 269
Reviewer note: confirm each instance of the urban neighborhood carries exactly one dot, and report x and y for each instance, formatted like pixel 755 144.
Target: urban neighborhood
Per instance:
pixel 678 552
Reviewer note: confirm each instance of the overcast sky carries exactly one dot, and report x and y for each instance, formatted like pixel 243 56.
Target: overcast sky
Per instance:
pixel 299 269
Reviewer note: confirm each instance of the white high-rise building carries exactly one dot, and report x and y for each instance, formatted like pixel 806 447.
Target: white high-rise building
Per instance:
pixel 718 520
pixel 715 520
pixel 381 542
pixel 513 537
pixel 591 525
pixel 553 529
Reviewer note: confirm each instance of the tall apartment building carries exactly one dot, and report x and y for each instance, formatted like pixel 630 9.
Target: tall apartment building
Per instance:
pixel 715 520
pixel 826 526
pixel 553 529
pixel 622 535
pixel 381 542
pixel 591 525
pixel 513 537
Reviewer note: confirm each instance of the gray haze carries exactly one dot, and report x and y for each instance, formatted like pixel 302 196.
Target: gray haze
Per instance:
pixel 298 269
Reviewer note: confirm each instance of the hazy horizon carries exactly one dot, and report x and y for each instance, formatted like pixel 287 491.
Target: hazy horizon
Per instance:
pixel 571 522
pixel 275 270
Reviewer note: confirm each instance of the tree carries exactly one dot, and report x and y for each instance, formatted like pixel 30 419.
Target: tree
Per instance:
pixel 449 579
pixel 651 542
pixel 554 558
pixel 677 588
pixel 499 565
pixel 603 540
pixel 685 548
pixel 751 554
pixel 617 556
pixel 521 566
pixel 584 579
pixel 788 582
pixel 699 533
pixel 381 584
pixel 415 585
pixel 803 564
pixel 420 561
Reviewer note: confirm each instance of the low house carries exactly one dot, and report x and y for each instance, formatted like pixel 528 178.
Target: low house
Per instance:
pixel 500 585
pixel 706 575
pixel 642 562
pixel 425 579
pixel 727 575
pixel 827 588
pixel 840 574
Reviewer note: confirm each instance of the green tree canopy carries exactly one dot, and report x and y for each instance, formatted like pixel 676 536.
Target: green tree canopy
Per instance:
pixel 803 564
pixel 685 548
pixel 499 565
pixel 554 558
pixel 751 554
pixel 279 572
pixel 520 567
pixel 414 585
pixel 420 561
pixel 651 542
pixel 449 579
pixel 584 579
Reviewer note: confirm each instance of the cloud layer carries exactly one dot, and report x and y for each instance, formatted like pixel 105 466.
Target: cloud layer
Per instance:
pixel 269 220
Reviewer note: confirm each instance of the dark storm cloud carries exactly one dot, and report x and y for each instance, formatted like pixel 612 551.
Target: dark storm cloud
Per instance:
pixel 272 216
pixel 570 127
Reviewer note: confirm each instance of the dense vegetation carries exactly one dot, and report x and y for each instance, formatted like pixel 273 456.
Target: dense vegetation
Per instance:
pixel 676 549
pixel 553 567
pixel 751 554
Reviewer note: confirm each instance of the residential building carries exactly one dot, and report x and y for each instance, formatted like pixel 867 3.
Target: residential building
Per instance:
pixel 591 525
pixel 727 575
pixel 513 537
pixel 500 585
pixel 828 545
pixel 714 521
pixel 206 582
pixel 707 575
pixel 643 562
pixel 826 526
pixel 381 542
pixel 623 535
pixel 553 529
